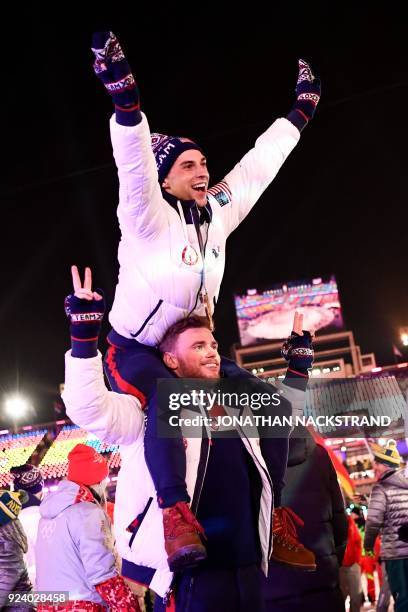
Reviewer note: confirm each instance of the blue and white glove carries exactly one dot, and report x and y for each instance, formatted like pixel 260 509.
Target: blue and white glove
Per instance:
pixel 85 318
pixel 308 91
pixel 111 67
pixel 298 351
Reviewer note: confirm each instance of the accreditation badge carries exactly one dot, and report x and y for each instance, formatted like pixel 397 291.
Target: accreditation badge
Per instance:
pixel 189 255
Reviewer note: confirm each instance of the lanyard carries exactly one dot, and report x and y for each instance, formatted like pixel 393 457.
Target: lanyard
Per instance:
pixel 204 299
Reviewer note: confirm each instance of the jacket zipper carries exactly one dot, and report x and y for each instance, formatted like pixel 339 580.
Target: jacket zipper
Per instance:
pixel 202 469
pixel 256 460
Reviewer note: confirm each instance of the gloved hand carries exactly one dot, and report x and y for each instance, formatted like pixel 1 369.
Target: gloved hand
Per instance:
pixel 117 595
pixel 298 351
pixel 308 91
pixel 85 309
pixel 112 68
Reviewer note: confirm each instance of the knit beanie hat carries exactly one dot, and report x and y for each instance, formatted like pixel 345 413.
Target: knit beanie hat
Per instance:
pixel 10 505
pixel 28 477
pixel 166 150
pixel 86 466
pixel 387 455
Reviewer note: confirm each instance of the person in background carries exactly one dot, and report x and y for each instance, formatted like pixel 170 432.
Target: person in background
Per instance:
pixel 28 478
pixel 74 550
pixel 313 491
pixel 350 571
pixel 13 545
pixel 387 513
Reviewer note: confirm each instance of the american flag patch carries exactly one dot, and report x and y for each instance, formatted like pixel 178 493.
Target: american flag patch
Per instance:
pixel 221 192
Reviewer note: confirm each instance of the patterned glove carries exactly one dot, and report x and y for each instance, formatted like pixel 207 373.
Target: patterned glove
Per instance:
pixel 86 320
pixel 308 92
pixel 112 68
pixel 117 595
pixel 298 351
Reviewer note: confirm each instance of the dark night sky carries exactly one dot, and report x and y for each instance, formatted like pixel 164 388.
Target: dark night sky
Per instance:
pixel 338 204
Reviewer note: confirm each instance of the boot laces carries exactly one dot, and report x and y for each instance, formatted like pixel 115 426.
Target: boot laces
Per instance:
pixel 189 517
pixel 286 530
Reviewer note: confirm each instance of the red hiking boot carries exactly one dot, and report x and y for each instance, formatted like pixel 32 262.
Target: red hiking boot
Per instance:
pixel 286 547
pixel 182 537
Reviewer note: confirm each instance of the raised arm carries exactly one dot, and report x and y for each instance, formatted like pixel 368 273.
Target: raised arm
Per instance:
pixel 112 417
pixel 242 187
pixel 140 209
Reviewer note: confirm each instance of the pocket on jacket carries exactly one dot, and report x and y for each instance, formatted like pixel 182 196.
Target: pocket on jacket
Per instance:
pixel 148 321
pixel 134 526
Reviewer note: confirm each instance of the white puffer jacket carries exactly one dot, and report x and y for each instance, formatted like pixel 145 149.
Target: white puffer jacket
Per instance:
pixel 155 287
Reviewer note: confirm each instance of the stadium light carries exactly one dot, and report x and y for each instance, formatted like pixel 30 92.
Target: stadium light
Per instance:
pixel 404 335
pixel 16 406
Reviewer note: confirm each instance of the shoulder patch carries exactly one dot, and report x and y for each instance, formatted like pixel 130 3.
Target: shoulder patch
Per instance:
pixel 221 192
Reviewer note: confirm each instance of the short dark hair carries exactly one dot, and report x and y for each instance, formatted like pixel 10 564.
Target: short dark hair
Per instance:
pixel 174 331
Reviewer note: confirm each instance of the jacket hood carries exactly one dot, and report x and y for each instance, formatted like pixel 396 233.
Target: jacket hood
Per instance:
pixel 58 501
pixel 396 478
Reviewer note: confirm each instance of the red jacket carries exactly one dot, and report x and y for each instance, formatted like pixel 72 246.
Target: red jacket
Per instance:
pixel 354 544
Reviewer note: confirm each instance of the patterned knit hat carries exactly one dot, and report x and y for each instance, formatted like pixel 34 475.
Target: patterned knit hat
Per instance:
pixel 28 477
pixel 86 466
pixel 10 505
pixel 388 454
pixel 166 150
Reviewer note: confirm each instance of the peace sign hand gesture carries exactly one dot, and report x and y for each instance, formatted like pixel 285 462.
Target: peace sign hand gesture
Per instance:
pixel 298 348
pixel 84 292
pixel 85 309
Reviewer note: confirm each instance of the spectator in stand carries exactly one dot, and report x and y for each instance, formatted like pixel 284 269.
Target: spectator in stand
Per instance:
pixel 350 572
pixel 28 478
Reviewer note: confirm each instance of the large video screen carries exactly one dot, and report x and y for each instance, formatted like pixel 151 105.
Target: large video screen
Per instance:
pixel 268 315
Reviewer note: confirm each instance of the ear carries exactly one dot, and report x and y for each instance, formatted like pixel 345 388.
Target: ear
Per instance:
pixel 165 184
pixel 170 361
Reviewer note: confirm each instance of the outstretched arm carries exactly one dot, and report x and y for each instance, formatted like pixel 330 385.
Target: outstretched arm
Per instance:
pixel 112 417
pixel 297 350
pixel 140 209
pixel 242 187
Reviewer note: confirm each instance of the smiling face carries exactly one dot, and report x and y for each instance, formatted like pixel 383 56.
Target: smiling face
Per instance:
pixel 194 355
pixel 188 177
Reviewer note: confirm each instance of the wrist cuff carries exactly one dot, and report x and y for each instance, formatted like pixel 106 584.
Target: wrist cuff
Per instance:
pixel 297 118
pixel 84 348
pixel 128 116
